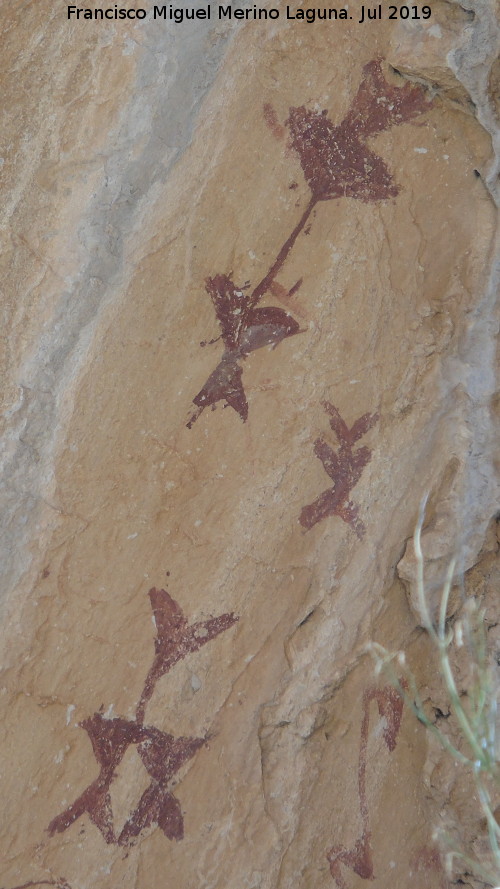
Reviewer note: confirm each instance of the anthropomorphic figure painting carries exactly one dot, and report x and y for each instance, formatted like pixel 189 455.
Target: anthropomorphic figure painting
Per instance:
pixel 359 858
pixel 336 162
pixel 344 466
pixel 244 328
pixel 161 753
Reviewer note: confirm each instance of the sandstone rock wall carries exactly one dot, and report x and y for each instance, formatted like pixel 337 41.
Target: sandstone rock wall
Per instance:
pixel 250 308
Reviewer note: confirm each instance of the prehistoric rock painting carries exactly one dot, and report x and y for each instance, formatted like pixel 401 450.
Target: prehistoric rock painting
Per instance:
pixel 335 160
pixel 244 328
pixel 344 467
pixel 336 163
pixel 359 858
pixel 162 754
pixel 428 858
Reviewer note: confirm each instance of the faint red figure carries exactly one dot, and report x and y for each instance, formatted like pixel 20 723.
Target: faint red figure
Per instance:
pixel 359 859
pixel 428 859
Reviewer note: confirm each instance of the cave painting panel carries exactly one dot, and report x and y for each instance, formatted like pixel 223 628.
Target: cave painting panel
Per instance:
pixel 344 466
pixel 162 754
pixel 336 162
pixel 359 858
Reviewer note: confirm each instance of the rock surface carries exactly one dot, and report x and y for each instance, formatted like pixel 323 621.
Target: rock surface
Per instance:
pixel 201 538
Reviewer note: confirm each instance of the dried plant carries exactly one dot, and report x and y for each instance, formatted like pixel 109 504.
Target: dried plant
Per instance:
pixel 475 713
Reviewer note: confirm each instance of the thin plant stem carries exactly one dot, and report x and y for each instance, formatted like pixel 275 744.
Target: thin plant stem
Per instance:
pixel 440 638
pixel 478 723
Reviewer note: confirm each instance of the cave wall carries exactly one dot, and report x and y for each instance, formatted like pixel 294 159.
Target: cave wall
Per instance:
pixel 250 307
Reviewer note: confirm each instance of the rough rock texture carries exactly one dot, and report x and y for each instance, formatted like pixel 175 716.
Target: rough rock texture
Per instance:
pixel 188 593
